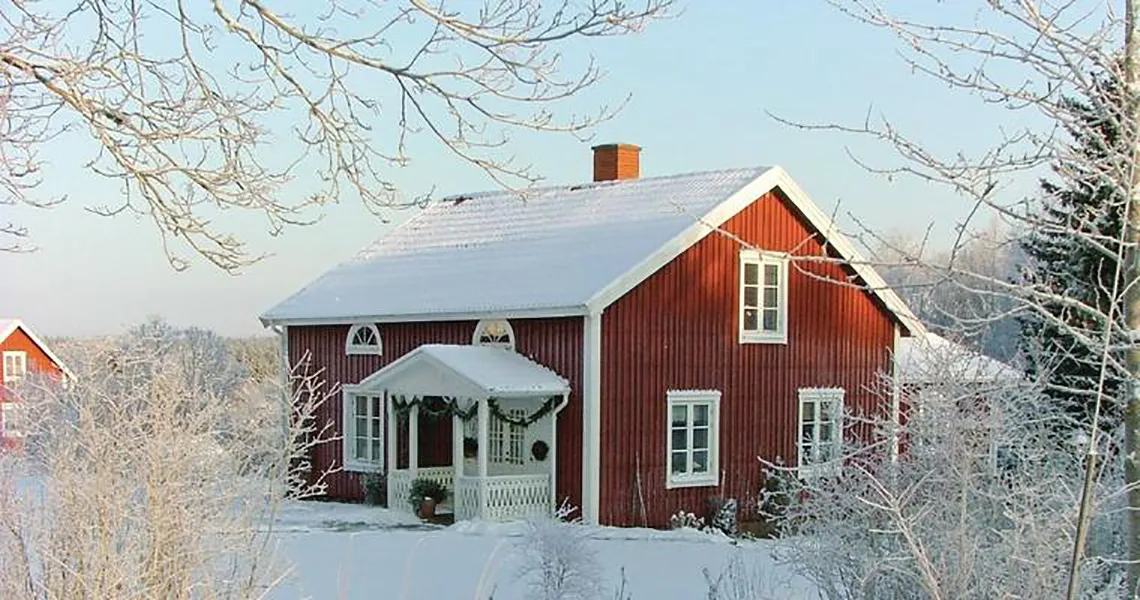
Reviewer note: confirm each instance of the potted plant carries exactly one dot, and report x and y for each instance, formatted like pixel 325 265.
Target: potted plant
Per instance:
pixel 425 495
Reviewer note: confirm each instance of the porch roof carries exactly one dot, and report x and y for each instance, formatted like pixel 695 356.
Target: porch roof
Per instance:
pixel 466 371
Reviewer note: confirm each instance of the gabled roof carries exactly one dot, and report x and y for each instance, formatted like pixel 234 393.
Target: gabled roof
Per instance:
pixel 462 370
pixel 558 251
pixel 931 358
pixel 9 326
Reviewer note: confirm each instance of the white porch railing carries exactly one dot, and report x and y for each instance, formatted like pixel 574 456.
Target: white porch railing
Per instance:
pixel 508 497
pixel 400 484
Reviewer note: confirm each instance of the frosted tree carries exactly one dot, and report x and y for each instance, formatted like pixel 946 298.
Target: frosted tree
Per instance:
pixel 198 108
pixel 1046 60
pixel 137 480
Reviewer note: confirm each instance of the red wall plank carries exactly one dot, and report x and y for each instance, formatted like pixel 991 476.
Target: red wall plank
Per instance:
pixel 679 330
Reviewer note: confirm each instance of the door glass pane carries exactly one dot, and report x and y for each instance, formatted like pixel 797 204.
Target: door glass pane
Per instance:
pixel 700 415
pixel 679 439
pixel 680 416
pixel 751 319
pixel 678 463
pixel 751 274
pixel 700 461
pixel 771 318
pixel 701 438
pixel 750 296
pixel 771 275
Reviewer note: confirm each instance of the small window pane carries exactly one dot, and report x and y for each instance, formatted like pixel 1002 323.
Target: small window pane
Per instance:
pixel 361 405
pixel 679 439
pixel 807 411
pixel 680 416
pixel 375 428
pixel 771 297
pixel 806 456
pixel 701 438
pixel 700 461
pixel 375 449
pixel 678 463
pixel 751 274
pixel 751 295
pixel 771 275
pixel 770 320
pixel 376 406
pixel 361 448
pixel 826 412
pixel 362 426
pixel 700 415
pixel 750 319
pixel 824 432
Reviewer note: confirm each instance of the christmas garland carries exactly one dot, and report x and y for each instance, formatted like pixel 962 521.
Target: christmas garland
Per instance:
pixel 451 408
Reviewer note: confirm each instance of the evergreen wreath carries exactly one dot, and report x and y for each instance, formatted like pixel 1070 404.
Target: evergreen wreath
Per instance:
pixel 450 407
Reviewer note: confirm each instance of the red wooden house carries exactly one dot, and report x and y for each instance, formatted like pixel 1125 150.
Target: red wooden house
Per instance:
pixel 629 344
pixel 24 355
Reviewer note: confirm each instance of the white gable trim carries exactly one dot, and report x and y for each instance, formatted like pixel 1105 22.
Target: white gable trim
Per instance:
pixel 18 324
pixel 703 225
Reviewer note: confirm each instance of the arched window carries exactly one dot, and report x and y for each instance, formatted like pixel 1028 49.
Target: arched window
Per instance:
pixel 363 339
pixel 494 332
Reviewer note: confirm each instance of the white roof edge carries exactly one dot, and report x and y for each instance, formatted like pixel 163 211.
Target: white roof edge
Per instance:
pixel 18 324
pixel 774 177
pixel 423 352
pixel 537 313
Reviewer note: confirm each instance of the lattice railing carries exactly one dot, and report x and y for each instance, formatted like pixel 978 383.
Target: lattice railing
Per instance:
pixel 467 498
pixel 518 497
pixel 400 484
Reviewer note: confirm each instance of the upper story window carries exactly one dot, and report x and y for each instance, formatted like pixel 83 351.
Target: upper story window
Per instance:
pixel 363 338
pixel 821 432
pixel 694 434
pixel 15 366
pixel 763 297
pixel 494 332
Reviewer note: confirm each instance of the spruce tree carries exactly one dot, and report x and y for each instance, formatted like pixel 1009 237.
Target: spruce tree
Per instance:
pixel 1073 253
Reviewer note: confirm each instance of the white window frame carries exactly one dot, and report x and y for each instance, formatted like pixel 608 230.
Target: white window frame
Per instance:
pixel 352 349
pixel 12 411
pixel 761 260
pixel 14 357
pixel 376 416
pixel 481 329
pixel 688 399
pixel 818 397
pixel 505 440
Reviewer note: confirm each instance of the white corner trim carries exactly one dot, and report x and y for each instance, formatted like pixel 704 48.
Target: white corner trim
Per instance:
pixel 770 179
pixel 712 479
pixel 591 418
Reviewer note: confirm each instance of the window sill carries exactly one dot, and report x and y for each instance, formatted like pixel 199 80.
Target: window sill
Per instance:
pixel 362 467
pixel 763 338
pixel 688 482
pixel 363 351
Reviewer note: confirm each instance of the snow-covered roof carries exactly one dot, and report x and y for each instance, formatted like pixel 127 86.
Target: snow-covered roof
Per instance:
pixel 554 251
pixel 931 358
pixel 467 371
pixel 9 326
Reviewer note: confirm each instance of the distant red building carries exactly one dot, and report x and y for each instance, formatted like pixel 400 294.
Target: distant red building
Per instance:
pixel 24 355
pixel 629 344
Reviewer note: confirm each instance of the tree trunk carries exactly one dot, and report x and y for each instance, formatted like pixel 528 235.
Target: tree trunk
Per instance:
pixel 1132 292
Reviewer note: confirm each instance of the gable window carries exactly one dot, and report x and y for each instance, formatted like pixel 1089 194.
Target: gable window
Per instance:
pixel 363 436
pixel 494 332
pixel 11 420
pixel 693 438
pixel 820 430
pixel 505 439
pixel 15 366
pixel 363 338
pixel 763 297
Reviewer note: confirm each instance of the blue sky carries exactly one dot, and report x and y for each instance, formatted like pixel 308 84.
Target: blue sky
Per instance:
pixel 701 84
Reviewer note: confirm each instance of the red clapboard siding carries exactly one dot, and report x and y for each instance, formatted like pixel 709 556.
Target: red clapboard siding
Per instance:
pixel 555 343
pixel 678 330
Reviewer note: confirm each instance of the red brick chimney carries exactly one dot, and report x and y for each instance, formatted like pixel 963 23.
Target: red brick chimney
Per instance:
pixel 616 161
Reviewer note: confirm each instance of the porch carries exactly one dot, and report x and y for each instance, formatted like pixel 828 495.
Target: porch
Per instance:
pixel 491 415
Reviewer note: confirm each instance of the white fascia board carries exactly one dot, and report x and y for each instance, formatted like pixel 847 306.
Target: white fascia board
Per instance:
pixel 773 178
pixel 537 313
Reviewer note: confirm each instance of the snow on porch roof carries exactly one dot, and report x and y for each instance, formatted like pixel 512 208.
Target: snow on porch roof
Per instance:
pixel 931 358
pixel 555 251
pixel 432 370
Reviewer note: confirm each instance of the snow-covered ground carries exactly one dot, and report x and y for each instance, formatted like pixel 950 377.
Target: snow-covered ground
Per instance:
pixel 345 551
